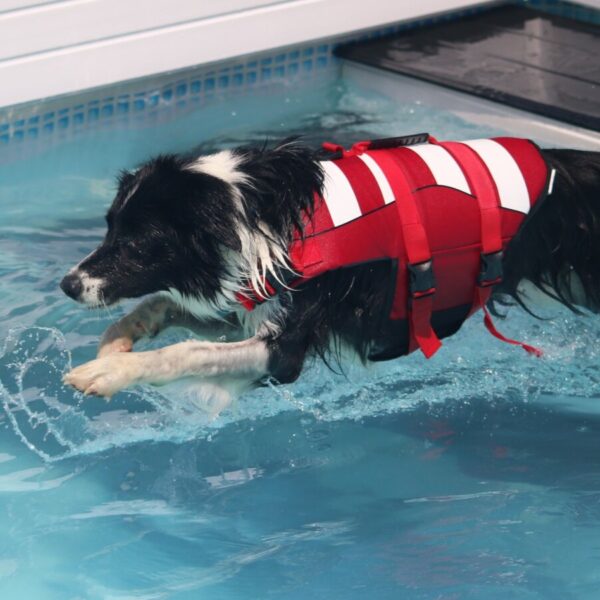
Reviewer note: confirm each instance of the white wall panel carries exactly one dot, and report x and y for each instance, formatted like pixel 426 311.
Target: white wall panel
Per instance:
pixel 60 47
pixel 6 5
pixel 62 24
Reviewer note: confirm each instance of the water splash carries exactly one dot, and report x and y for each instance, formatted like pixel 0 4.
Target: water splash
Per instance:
pixel 55 422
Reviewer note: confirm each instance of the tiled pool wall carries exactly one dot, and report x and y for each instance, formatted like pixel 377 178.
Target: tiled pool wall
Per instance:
pixel 566 9
pixel 155 99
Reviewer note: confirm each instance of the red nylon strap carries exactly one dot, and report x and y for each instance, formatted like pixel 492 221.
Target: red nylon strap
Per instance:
pixel 483 187
pixel 489 324
pixel 417 250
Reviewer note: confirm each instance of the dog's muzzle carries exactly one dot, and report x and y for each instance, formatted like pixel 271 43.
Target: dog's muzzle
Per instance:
pixel 72 285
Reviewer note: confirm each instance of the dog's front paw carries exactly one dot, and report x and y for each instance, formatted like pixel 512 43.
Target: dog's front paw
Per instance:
pixel 105 376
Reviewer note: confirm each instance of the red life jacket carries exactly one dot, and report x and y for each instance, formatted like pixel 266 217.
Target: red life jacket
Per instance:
pixel 443 210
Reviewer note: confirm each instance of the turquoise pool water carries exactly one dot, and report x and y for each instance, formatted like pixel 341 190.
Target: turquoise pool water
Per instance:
pixel 474 475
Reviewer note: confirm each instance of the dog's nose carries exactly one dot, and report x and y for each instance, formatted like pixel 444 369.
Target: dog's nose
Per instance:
pixel 71 285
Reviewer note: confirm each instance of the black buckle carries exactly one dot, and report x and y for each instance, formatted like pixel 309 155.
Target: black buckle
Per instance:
pixel 421 279
pixel 491 269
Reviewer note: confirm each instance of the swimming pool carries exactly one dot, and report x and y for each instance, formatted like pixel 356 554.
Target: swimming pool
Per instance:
pixel 474 475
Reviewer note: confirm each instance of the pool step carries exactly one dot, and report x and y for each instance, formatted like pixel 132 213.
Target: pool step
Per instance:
pixel 532 60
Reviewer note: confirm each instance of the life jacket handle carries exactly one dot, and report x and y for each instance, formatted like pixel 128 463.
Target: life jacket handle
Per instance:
pixel 380 144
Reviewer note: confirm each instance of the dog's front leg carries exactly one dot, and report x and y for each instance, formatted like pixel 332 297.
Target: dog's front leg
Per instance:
pixel 107 375
pixel 148 319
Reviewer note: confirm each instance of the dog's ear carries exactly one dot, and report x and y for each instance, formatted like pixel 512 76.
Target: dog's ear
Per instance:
pixel 205 208
pixel 282 182
pixel 124 177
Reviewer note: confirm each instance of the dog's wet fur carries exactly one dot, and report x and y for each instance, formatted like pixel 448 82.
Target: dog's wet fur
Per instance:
pixel 198 229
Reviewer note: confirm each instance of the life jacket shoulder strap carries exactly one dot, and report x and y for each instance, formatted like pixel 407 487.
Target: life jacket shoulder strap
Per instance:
pixel 416 245
pixel 484 189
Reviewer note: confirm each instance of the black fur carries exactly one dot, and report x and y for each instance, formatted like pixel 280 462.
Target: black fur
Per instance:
pixel 561 236
pixel 168 226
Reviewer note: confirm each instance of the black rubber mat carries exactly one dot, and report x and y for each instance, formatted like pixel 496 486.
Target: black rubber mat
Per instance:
pixel 524 58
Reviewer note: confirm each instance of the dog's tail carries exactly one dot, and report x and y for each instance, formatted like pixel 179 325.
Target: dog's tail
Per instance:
pixel 558 247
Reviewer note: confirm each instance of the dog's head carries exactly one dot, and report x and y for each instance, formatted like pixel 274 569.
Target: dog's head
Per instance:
pixel 200 228
pixel 169 228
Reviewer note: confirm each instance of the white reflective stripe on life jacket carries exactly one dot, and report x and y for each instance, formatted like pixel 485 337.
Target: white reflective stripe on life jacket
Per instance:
pixel 344 207
pixel 382 181
pixel 443 167
pixel 338 195
pixel 506 173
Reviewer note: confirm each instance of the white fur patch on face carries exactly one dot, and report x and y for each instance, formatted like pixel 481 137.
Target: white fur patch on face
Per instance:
pixel 91 287
pixel 222 165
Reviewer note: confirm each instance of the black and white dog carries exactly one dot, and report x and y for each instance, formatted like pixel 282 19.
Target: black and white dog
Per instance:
pixel 194 230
